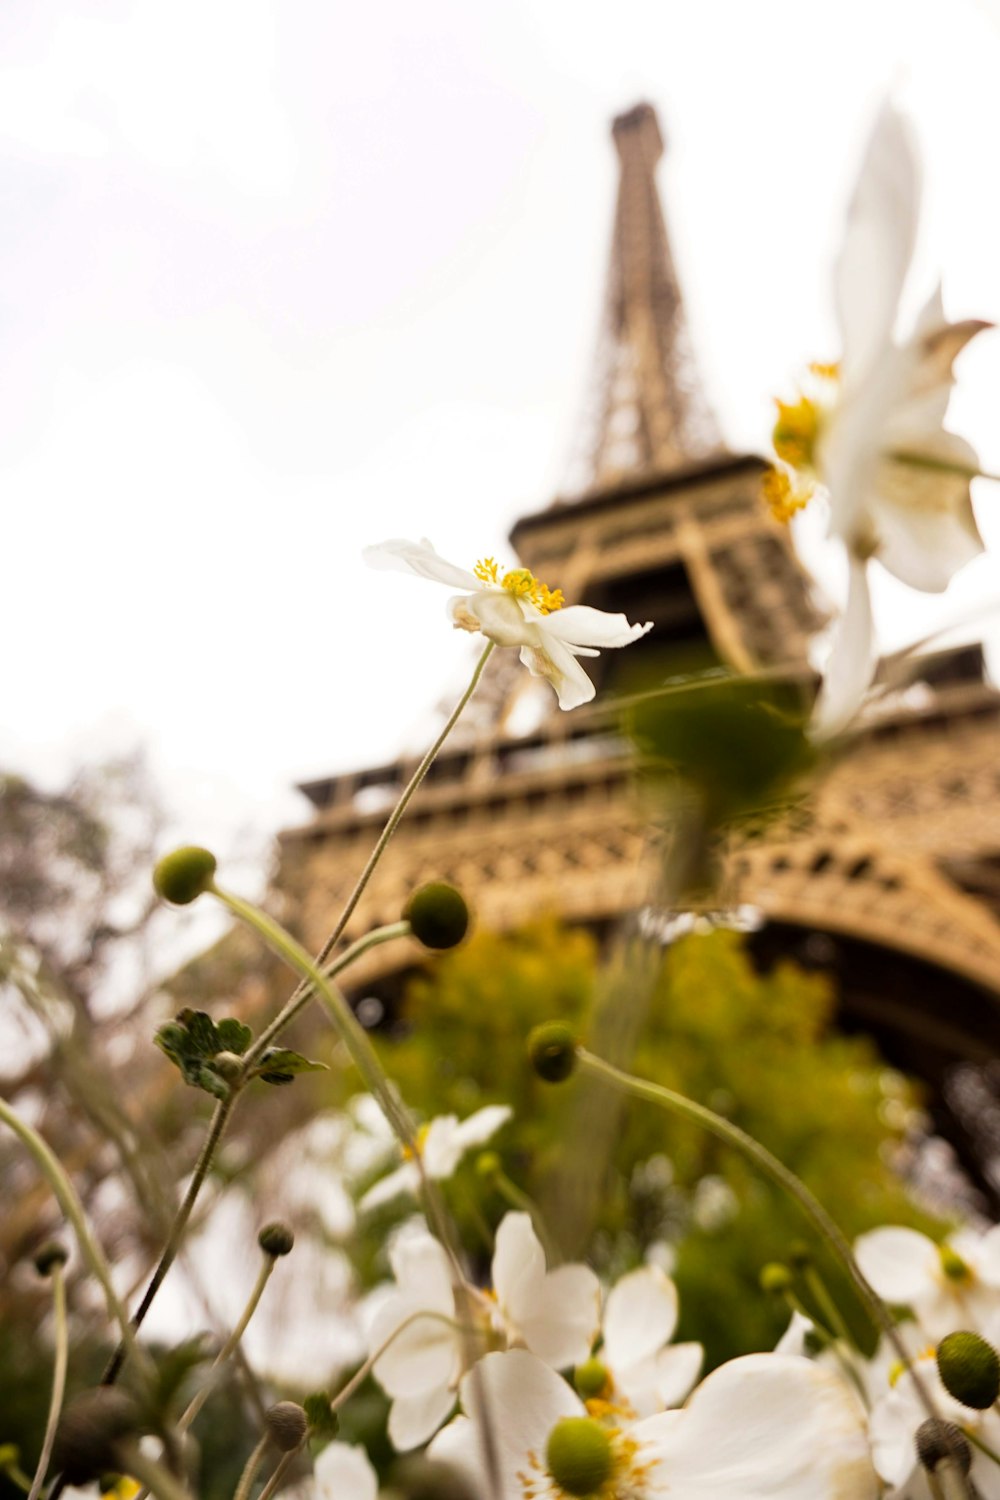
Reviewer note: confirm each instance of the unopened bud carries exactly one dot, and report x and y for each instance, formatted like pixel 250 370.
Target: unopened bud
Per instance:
pixel 552 1050
pixel 776 1278
pixel 937 1441
pixel 228 1065
pixel 438 915
pixel 184 875
pixel 488 1166
pixel 592 1379
pixel 49 1256
pixel 287 1425
pixel 276 1239
pixel 970 1369
pixel 88 1431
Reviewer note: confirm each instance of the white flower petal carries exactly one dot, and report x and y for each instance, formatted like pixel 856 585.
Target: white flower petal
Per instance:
pixel 851 664
pixel 483 1125
pixel 677 1369
pixel 580 625
pixel 518 1262
pixel 639 1317
pixel 901 1264
pixel 405 1179
pixel 401 556
pixel 345 1473
pixel 441 1148
pixel 422 1270
pixel 767 1427
pixel 559 1322
pixel 414 1419
pixel 500 617
pixel 793 1340
pixel 925 525
pixel 421 1358
pixel 878 243
pixel 555 662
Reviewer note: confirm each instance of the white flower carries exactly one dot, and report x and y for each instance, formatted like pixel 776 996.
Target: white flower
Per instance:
pixel 765 1427
pixel 870 430
pixel 555 1313
pixel 343 1472
pixel 893 1426
pixel 516 609
pixel 442 1144
pixel 951 1286
pixel 640 1316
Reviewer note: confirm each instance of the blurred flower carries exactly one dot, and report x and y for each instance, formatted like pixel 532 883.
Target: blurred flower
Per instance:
pixel 640 1317
pixel 343 1472
pixel 516 609
pixel 949 1286
pixel 761 1426
pixel 869 430
pixel 442 1144
pixel 555 1313
pixel 893 1425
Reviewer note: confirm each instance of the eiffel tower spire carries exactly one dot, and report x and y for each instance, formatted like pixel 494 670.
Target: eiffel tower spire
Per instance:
pixel 646 412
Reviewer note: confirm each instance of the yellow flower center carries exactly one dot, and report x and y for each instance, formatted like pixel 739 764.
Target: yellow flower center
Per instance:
pixel 782 497
pixel 796 437
pixel 522 583
pixel 408 1152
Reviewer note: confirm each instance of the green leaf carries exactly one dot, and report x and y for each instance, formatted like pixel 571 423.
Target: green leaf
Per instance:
pixel 279 1065
pixel 203 1034
pixel 234 1036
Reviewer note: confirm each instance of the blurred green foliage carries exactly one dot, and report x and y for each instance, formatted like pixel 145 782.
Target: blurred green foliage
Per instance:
pixel 759 1048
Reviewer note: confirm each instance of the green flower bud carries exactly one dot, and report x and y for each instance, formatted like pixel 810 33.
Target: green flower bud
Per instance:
pixel 184 875
pixel 50 1255
pixel 10 1456
pixel 776 1278
pixel 552 1050
pixel 287 1425
pixel 488 1166
pixel 578 1455
pixel 592 1379
pixel 438 915
pixel 88 1431
pixel 937 1441
pixel 276 1239
pixel 970 1369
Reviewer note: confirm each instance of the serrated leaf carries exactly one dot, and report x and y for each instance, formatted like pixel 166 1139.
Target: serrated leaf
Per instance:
pixel 279 1065
pixel 203 1033
pixel 234 1036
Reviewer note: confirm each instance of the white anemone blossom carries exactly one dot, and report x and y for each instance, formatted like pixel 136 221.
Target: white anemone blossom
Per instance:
pixel 645 1371
pixel 869 430
pixel 947 1287
pixel 764 1427
pixel 516 609
pixel 555 1314
pixel 442 1144
pixel 893 1425
pixel 343 1472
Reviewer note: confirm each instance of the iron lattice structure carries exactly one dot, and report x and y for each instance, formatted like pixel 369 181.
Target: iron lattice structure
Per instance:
pixel 891 876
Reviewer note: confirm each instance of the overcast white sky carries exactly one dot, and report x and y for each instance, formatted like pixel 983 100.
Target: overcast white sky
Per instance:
pixel 280 280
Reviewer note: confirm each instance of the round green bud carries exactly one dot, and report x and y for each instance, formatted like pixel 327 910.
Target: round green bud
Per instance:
pixel 488 1166
pixel 776 1278
pixel 970 1369
pixel 184 875
pixel 228 1065
pixel 552 1050
pixel 276 1239
pixel 438 915
pixel 10 1456
pixel 88 1431
pixel 578 1455
pixel 50 1255
pixel 800 1256
pixel 592 1379
pixel 937 1441
pixel 287 1425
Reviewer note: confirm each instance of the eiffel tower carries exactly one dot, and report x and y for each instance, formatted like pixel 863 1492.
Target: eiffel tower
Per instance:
pixel 892 880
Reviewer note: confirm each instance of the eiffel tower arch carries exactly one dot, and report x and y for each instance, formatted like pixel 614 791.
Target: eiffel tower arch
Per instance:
pixel 893 877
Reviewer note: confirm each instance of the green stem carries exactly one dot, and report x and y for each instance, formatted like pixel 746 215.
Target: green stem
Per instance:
pixel 519 1199
pixel 305 993
pixel 71 1206
pixel 983 1447
pixel 361 1374
pixel 250 1468
pixel 284 1464
pixel 157 1479
pixel 780 1175
pixel 220 1120
pixel 229 1347
pixel 58 1379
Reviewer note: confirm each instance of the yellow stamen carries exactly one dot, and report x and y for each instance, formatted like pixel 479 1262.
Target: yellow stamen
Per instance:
pixel 823 371
pixel 486 570
pixel 795 432
pixel 522 583
pixel 781 498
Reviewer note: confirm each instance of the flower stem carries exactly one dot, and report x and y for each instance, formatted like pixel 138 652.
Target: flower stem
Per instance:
pixel 284 1464
pixel 250 1468
pixel 65 1193
pixel 780 1175
pixel 220 1119
pixel 58 1378
pixel 157 1479
pixel 305 993
pixel 229 1347
pixel 983 1447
